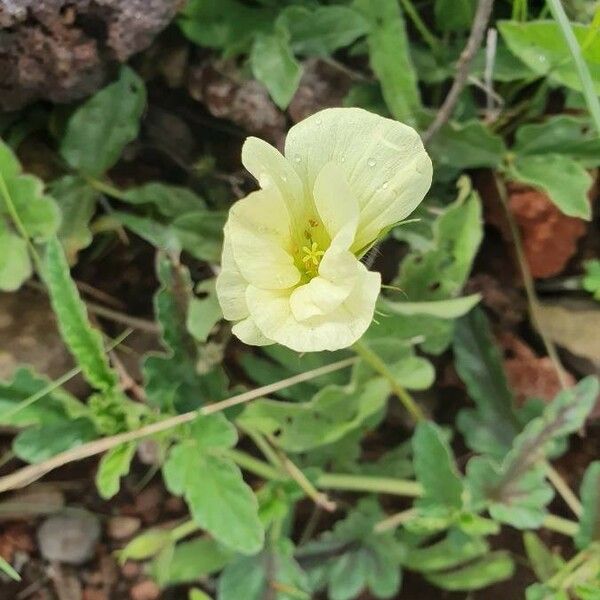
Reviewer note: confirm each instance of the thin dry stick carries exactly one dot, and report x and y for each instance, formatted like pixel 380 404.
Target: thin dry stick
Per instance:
pixel 553 475
pixel 31 473
pixel 319 498
pixel 480 22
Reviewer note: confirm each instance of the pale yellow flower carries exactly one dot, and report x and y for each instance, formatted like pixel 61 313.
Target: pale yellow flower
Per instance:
pixel 291 270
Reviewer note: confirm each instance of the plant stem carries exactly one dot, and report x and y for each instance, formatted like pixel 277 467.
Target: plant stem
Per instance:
pixel 253 465
pixel 377 485
pixel 106 188
pixel 565 492
pixel 532 301
pixel 181 531
pixel 375 361
pixel 395 521
pixel 306 486
pixel 420 26
pixel 589 92
pixel 560 525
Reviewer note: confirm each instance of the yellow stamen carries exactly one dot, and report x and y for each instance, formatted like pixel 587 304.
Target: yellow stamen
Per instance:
pixel 312 255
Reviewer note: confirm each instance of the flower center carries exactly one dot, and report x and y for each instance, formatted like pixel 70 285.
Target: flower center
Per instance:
pixel 311 256
pixel 309 248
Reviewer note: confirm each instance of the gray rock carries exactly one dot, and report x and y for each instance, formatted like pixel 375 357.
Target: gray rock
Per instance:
pixel 69 538
pixel 63 50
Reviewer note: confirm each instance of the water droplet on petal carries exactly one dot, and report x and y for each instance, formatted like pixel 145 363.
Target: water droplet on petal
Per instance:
pixel 318 121
pixel 371 162
pixel 385 186
pixel 297 158
pixel 343 159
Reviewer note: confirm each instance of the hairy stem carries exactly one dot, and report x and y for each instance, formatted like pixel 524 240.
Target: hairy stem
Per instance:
pixel 375 361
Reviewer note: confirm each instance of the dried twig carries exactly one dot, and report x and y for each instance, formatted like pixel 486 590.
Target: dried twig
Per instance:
pixel 31 473
pixel 480 22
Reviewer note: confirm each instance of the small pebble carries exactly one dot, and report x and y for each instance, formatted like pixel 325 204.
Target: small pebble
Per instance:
pixel 69 537
pixel 121 528
pixel 94 594
pixel 145 590
pixel 148 499
pixel 130 570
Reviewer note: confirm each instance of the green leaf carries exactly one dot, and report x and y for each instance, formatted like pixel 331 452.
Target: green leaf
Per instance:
pixel 146 545
pixel 219 499
pixel 252 578
pixel 169 200
pixel 25 212
pixel 413 372
pixel 454 15
pixel 332 412
pixel 77 203
pixel 440 272
pixel 37 444
pixel 322 30
pixel 495 567
pixel 591 279
pixel 516 488
pixel 204 313
pixel 163 237
pixel 543 562
pixel 564 180
pixel 114 465
pixel 227 24
pixel 201 233
pixel 7 568
pixel 84 342
pixel 15 265
pixel 191 561
pixel 103 125
pixel 389 55
pixel 563 134
pixel 589 525
pixel 467 145
pixel 479 365
pixel 542 47
pixel 274 65
pixel 54 404
pixel 454 550
pixel 435 467
pixel 352 557
pixel 444 309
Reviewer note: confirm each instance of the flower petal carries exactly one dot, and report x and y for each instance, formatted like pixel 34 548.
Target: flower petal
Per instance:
pixel 385 163
pixel 272 169
pixel 271 311
pixel 334 199
pixel 231 286
pixel 260 239
pixel 249 333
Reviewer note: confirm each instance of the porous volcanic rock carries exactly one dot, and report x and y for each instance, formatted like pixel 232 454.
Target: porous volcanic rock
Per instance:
pixel 61 50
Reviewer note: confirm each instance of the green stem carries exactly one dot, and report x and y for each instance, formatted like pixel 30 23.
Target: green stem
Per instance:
pixel 375 361
pixel 589 92
pixel 420 26
pixel 377 485
pixel 254 465
pixel 106 188
pixel 560 525
pixel 181 531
